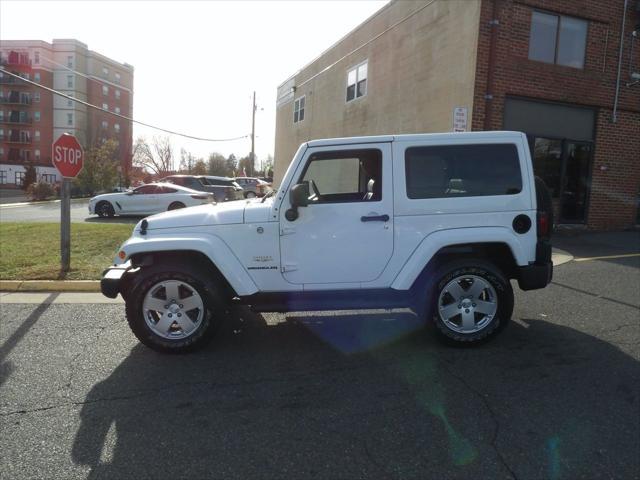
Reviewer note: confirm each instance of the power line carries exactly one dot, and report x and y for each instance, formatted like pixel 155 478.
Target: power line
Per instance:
pixel 330 66
pixel 118 115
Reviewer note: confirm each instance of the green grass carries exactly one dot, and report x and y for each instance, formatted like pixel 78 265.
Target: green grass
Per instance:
pixel 31 251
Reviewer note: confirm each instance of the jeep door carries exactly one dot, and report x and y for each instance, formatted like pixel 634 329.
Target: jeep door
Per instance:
pixel 345 234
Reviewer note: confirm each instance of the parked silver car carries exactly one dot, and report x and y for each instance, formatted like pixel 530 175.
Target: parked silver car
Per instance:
pixel 253 187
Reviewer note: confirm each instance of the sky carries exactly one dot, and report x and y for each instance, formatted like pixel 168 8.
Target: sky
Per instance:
pixel 197 63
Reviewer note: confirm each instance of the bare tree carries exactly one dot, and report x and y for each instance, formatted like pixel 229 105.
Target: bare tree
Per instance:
pixel 156 157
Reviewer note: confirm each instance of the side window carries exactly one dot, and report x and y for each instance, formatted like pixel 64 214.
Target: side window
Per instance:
pixel 345 176
pixel 165 190
pixel 462 171
pixel 145 190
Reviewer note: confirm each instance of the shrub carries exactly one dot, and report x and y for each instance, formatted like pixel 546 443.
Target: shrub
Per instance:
pixel 40 191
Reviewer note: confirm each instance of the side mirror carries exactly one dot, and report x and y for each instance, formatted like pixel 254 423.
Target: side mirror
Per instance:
pixel 299 197
pixel 130 192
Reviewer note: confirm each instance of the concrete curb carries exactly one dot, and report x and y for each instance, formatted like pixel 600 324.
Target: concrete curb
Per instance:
pixel 49 285
pixel 558 257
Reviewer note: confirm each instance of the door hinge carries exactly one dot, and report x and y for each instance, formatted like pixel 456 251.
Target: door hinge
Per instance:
pixel 287 231
pixel 289 267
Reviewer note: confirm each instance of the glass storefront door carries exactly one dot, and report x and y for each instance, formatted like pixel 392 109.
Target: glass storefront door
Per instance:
pixel 565 166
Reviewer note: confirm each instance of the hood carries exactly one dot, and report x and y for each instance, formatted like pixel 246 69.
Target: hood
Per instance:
pixel 209 214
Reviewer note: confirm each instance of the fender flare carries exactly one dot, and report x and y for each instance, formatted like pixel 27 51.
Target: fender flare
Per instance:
pixel 212 246
pixel 432 243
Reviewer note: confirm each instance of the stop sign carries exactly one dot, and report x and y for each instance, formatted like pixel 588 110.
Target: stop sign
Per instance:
pixel 67 155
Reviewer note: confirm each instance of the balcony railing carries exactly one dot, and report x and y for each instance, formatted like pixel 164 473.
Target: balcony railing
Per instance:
pixel 9 80
pixel 18 139
pixel 11 100
pixel 17 121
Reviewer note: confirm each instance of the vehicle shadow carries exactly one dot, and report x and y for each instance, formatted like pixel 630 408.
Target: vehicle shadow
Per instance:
pixel 366 396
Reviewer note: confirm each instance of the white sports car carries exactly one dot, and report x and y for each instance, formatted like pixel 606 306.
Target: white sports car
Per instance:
pixel 147 200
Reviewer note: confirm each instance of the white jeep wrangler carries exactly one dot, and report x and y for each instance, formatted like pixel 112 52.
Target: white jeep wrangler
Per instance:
pixel 437 222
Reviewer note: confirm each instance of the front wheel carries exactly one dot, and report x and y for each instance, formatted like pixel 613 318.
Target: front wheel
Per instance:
pixel 176 206
pixel 249 195
pixel 105 209
pixel 174 311
pixel 473 301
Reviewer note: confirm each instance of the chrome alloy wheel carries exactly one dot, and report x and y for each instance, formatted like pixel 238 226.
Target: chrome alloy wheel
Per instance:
pixel 173 309
pixel 467 304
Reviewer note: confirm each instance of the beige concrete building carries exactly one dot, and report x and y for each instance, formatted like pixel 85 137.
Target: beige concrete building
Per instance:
pixel 384 78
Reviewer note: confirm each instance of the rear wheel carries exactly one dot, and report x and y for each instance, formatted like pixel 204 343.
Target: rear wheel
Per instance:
pixel 176 205
pixel 105 209
pixel 175 310
pixel 473 301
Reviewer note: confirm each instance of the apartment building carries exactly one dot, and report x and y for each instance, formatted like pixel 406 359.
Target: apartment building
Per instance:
pixel 32 118
pixel 565 72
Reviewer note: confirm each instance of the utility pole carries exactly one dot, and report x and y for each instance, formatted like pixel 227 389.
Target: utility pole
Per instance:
pixel 253 136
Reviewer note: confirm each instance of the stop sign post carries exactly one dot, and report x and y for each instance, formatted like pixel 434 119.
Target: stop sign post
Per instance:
pixel 67 156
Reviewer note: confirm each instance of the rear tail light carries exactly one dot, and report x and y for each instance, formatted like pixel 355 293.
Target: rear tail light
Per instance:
pixel 200 197
pixel 543 224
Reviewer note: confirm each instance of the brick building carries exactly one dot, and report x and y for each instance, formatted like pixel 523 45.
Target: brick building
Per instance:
pixel 564 71
pixel 31 118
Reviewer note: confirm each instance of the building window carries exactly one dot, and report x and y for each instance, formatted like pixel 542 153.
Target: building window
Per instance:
pixel 70 102
pixel 117 110
pixel 19 178
pixel 69 81
pixel 36 77
pixel 105 106
pixel 117 78
pixel 36 58
pixel 105 71
pixel 105 90
pixel 298 110
pixel 557 39
pixel 37 135
pixel 3 175
pixel 116 127
pixel 37 154
pixel 70 61
pixel 48 177
pixel 70 119
pixel 117 94
pixel 36 97
pixel 105 124
pixel 357 82
pixel 36 116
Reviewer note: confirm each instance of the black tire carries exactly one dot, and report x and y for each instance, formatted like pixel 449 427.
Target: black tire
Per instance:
pixel 214 308
pixel 491 274
pixel 105 209
pixel 249 195
pixel 176 206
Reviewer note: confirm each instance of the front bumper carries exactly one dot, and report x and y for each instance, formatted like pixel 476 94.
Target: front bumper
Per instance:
pixel 112 279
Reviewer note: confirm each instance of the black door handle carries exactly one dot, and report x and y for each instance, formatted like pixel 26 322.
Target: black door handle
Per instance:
pixel 375 218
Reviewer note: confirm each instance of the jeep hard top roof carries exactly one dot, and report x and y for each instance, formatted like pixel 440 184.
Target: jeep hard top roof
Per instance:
pixel 415 137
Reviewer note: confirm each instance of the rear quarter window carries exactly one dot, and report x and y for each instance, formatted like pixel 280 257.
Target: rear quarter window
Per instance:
pixel 462 171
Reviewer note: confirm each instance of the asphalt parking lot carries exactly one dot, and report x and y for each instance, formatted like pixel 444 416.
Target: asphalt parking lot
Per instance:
pixel 365 394
pixel 50 212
